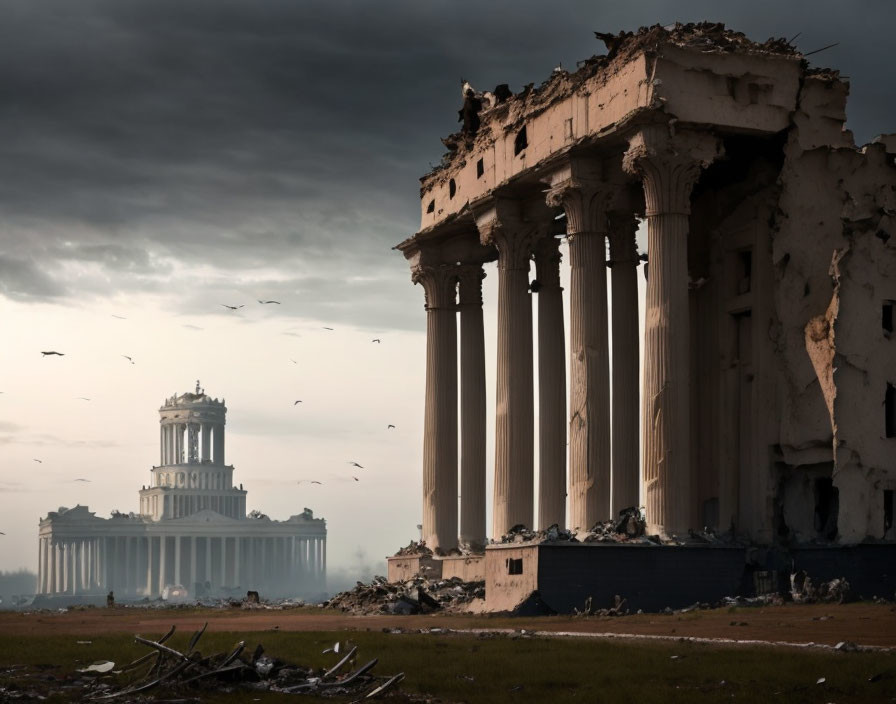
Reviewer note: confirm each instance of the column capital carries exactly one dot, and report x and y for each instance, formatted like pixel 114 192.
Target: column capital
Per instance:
pixel 623 228
pixel 585 202
pixel 669 162
pixel 513 227
pixel 439 285
pixel 470 278
pixel 547 263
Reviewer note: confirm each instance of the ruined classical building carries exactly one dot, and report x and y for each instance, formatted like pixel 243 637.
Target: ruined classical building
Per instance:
pixel 192 529
pixel 767 402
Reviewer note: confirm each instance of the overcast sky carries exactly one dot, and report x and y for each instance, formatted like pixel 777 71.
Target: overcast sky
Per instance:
pixel 160 158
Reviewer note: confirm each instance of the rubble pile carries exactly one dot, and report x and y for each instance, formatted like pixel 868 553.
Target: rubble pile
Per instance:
pixel 630 527
pixel 414 549
pixel 711 37
pixel 803 591
pixel 190 673
pixel 414 596
pixel 619 608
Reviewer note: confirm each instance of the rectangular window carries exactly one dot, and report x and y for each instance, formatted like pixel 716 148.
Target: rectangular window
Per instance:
pixel 515 566
pixel 480 168
pixel 745 273
pixel 886 317
pixel 888 510
pixel 890 411
pixel 827 506
pixel 520 142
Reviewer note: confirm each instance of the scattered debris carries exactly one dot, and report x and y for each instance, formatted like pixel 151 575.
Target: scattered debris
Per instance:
pixel 619 608
pixel 99 666
pixel 847 646
pixel 629 527
pixel 414 596
pixel 414 548
pixel 180 672
pixel 803 591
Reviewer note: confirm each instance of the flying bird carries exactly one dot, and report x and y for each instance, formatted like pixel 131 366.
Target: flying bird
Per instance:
pixel 232 307
pixel 389 426
pixel 37 460
pixel 120 317
pixel 82 398
pixel 356 479
pixel 328 328
pixel 293 361
pixel 2 533
pixel 297 402
pixel 82 480
pixel 128 358
pixel 376 339
pixel 355 464
pixel 263 302
pixel 308 481
pixel 47 354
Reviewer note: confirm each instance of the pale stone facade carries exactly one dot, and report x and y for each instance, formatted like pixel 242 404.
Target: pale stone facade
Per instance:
pixel 192 528
pixel 768 404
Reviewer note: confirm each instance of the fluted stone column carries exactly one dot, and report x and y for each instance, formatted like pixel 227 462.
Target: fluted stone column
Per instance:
pixel 208 560
pixel 41 569
pixel 585 200
pixel 507 227
pixel 163 563
pixel 669 166
pixel 237 564
pixel 440 413
pixel 58 568
pixel 626 393
pixel 206 439
pixel 177 540
pixel 218 442
pixel 551 386
pixel 472 404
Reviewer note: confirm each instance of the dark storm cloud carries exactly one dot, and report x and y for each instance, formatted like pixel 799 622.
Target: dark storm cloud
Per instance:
pixel 146 138
pixel 22 279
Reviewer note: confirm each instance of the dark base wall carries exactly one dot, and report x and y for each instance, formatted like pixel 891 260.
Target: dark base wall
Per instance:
pixel 652 578
pixel 869 569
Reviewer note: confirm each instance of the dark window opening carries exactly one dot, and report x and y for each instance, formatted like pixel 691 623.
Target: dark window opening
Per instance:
pixel 731 84
pixel 452 188
pixel 827 506
pixel 886 318
pixel 745 266
pixel 888 509
pixel 890 411
pixel 754 92
pixel 711 513
pixel 521 142
pixel 480 168
pixel 431 207
pixel 515 566
pixel 806 289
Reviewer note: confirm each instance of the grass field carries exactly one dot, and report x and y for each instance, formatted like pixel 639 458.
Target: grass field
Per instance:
pixel 500 668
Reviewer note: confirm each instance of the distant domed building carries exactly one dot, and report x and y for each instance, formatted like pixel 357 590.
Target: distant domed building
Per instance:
pixel 192 529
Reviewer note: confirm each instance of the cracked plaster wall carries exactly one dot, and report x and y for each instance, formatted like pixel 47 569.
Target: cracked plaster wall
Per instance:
pixel 835 266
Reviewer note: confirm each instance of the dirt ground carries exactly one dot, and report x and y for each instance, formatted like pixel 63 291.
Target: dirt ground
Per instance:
pixel 862 623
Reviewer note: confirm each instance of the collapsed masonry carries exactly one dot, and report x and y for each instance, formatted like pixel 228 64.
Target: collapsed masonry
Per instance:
pixel 769 378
